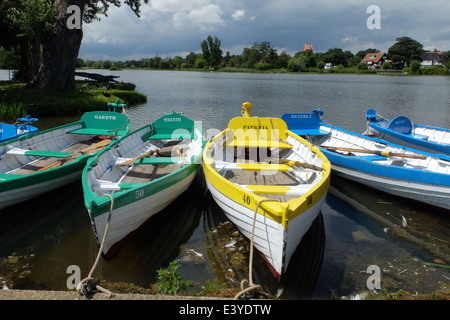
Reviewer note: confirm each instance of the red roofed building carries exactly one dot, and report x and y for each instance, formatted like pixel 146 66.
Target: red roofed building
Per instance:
pixel 375 59
pixel 308 47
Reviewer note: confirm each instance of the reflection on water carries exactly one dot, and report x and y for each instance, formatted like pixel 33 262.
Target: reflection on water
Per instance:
pixel 358 227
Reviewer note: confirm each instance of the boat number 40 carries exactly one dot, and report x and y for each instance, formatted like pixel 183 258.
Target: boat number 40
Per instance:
pixel 246 200
pixel 139 193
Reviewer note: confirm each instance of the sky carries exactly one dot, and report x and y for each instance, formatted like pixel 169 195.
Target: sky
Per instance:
pixel 169 28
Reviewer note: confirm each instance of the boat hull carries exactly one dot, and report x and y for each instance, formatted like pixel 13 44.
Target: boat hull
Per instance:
pixel 32 187
pixel 436 195
pixel 273 241
pixel 130 216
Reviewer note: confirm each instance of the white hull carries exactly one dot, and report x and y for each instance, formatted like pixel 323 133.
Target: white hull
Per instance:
pixel 434 195
pixel 274 242
pixel 15 196
pixel 126 219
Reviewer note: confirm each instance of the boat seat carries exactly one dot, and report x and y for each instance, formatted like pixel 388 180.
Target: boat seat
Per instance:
pixel 304 124
pixel 103 123
pixel 158 160
pixel 108 185
pixel 38 153
pixel 420 136
pixel 261 143
pixel 274 189
pixel 170 136
pixel 255 167
pixel 173 126
pixel 401 124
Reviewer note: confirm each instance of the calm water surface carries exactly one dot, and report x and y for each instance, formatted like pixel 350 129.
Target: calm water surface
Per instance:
pixel 358 227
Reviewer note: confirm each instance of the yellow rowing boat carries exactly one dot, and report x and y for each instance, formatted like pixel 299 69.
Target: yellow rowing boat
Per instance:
pixel 270 183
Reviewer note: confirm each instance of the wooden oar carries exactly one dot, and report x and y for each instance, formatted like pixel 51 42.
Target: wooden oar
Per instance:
pixel 377 152
pixel 144 155
pixel 87 150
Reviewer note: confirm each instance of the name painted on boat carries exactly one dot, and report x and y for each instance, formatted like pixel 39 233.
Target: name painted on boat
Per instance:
pixel 255 127
pixel 301 116
pixel 172 119
pixel 104 117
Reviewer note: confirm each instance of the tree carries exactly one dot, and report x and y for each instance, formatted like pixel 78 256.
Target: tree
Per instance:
pixel 404 51
pixel 259 52
pixel 337 56
pixel 62 45
pixel 211 51
pixel 415 66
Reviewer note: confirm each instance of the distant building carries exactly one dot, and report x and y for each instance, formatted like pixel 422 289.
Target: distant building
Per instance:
pixel 375 60
pixel 308 47
pixel 435 58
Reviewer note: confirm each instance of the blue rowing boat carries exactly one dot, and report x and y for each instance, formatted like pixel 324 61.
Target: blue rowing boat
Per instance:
pixel 377 163
pixel 401 130
pixel 22 126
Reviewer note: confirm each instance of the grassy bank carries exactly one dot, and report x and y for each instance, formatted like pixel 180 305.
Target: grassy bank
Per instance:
pixel 16 99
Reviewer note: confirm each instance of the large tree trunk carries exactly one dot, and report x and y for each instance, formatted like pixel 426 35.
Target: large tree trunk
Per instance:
pixel 60 51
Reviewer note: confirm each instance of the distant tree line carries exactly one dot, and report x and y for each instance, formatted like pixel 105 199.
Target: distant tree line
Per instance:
pixel 405 53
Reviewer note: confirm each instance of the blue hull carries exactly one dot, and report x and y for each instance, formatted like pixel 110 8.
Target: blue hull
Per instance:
pixel 400 130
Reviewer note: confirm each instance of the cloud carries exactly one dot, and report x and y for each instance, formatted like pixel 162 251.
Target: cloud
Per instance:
pixel 203 19
pixel 169 26
pixel 238 15
pixel 177 5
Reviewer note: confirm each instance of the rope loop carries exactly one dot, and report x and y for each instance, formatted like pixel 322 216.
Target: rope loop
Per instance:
pixel 250 285
pixel 87 287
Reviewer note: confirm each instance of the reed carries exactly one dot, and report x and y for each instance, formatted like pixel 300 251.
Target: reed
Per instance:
pixel 9 112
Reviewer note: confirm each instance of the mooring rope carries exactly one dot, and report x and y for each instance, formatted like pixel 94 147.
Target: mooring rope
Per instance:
pixel 85 286
pixel 249 282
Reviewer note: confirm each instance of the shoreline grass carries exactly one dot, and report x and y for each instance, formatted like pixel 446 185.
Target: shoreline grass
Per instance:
pixel 86 97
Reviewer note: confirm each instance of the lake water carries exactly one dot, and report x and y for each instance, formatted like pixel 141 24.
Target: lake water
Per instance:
pixel 358 227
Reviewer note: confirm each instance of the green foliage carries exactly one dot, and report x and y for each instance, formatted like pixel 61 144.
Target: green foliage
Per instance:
pixel 200 63
pixel 337 56
pixel 434 70
pixel 297 64
pixel 262 66
pixel 86 97
pixel 405 50
pixel 211 51
pixel 9 112
pixel 386 65
pixel 362 66
pixel 170 281
pixel 415 66
pixel 33 18
pixel 212 287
